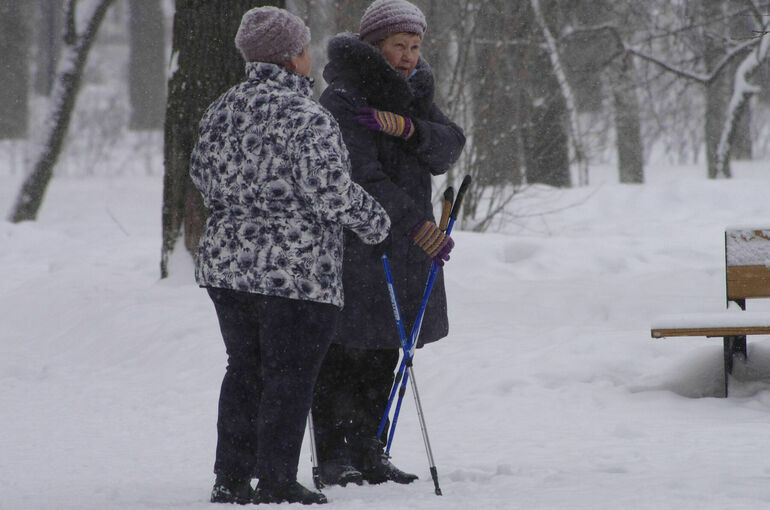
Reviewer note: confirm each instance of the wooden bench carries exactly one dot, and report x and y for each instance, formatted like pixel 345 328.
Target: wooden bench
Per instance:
pixel 747 276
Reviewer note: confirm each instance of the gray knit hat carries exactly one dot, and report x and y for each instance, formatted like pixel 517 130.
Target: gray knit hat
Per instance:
pixel 384 18
pixel 270 34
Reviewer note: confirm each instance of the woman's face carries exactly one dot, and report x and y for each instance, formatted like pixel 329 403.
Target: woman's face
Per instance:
pixel 402 51
pixel 302 63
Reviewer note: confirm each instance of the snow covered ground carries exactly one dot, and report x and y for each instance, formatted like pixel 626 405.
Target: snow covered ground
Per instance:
pixel 548 394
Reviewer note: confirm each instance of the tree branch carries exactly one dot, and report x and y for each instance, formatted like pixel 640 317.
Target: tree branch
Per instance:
pixel 755 11
pixel 705 79
pixel 702 78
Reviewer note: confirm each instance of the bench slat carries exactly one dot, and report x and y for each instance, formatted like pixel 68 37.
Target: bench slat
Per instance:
pixel 748 282
pixel 711 331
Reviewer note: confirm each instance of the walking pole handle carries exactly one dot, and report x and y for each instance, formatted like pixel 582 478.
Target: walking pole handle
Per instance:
pixel 449 196
pixel 460 195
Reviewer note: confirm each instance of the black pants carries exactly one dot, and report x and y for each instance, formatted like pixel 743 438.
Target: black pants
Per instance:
pixel 274 351
pixel 350 398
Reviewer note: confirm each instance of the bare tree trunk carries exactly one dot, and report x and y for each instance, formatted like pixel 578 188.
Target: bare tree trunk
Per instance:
pixel 14 77
pixel 496 99
pixel 742 147
pixel 546 139
pixel 319 17
pixel 627 122
pixel 49 19
pixel 575 133
pixel 147 65
pixel 741 27
pixel 595 47
pixel 717 92
pixel 546 124
pixel 716 104
pixel 63 97
pixel 442 20
pixel 584 53
pixel 207 64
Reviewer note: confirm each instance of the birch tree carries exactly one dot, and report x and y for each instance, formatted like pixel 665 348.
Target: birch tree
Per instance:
pixel 554 54
pixel 544 122
pixel 743 89
pixel 77 44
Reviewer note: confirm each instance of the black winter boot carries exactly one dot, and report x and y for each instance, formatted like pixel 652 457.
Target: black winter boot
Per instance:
pixel 229 489
pixel 370 458
pixel 286 492
pixel 339 472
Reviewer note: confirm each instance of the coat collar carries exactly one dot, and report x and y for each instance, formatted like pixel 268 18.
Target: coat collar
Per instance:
pixel 275 75
pixel 351 59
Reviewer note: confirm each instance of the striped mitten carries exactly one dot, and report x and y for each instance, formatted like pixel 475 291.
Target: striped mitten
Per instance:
pixel 432 240
pixel 387 122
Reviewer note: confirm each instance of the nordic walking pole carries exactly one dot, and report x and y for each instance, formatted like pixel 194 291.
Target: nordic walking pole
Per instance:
pixel 409 355
pixel 409 351
pixel 313 452
pixel 407 361
pixel 446 209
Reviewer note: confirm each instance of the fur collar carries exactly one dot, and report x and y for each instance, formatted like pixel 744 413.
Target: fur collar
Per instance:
pixel 362 65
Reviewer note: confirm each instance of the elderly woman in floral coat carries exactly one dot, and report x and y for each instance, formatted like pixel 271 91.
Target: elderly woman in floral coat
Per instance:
pixel 381 93
pixel 274 173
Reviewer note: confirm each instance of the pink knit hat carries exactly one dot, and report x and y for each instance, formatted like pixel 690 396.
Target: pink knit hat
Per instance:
pixel 270 34
pixel 384 18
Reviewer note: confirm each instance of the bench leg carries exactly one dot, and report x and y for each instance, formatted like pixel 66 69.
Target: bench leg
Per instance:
pixel 733 345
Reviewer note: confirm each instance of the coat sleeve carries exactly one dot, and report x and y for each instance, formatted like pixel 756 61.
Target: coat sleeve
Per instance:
pixel 200 161
pixel 366 168
pixel 439 141
pixel 324 184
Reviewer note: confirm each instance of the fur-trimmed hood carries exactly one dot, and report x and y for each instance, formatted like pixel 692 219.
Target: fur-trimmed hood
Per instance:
pixel 353 61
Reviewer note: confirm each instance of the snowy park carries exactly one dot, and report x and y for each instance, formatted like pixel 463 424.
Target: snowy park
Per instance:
pixel 549 392
pixel 618 144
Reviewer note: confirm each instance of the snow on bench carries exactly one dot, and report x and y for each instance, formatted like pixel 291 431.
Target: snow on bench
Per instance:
pixel 747 276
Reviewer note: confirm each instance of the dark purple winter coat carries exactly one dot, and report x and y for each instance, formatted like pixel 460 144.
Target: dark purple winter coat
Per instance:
pixel 397 174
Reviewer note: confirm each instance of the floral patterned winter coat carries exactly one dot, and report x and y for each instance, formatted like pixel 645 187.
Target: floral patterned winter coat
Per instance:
pixel 274 173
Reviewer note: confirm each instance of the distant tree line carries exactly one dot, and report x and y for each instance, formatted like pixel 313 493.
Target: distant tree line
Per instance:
pixel 543 88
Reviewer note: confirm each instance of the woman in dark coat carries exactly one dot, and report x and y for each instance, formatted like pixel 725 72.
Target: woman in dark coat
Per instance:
pixel 381 93
pixel 272 169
